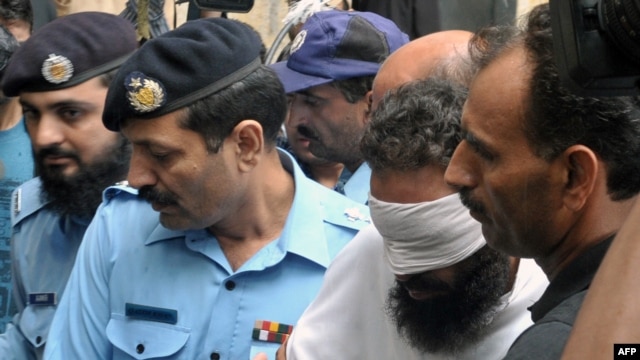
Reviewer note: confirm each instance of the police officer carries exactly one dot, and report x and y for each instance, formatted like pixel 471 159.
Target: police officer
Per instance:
pixel 221 241
pixel 329 75
pixel 61 74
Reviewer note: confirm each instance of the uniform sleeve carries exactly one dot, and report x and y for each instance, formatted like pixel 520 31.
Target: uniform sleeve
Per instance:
pixel 79 326
pixel 13 345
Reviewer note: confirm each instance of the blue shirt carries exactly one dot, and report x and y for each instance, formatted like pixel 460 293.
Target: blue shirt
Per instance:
pixel 16 167
pixel 43 250
pixel 358 184
pixel 139 290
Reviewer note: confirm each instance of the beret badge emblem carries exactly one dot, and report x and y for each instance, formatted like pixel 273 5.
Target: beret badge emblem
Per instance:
pixel 57 69
pixel 144 93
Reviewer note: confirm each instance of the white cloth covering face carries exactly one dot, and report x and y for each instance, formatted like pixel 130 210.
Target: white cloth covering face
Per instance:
pixel 425 236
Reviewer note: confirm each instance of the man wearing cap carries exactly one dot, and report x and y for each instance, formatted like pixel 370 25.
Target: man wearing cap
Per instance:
pixel 221 241
pixel 61 75
pixel 329 73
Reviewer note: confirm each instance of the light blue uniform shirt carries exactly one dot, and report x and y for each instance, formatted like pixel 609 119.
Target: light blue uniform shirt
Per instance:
pixel 357 187
pixel 16 167
pixel 139 290
pixel 43 250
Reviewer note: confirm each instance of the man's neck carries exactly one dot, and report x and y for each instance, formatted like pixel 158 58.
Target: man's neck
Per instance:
pixel 514 265
pixel 10 114
pixel 260 218
pixel 326 174
pixel 353 165
pixel 590 229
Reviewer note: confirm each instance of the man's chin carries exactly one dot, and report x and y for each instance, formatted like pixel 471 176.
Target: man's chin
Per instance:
pixel 62 172
pixel 174 222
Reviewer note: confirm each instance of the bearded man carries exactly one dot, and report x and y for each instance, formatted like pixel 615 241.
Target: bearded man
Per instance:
pixel 61 75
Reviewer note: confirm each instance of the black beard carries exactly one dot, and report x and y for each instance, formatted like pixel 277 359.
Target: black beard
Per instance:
pixel 452 322
pixel 80 194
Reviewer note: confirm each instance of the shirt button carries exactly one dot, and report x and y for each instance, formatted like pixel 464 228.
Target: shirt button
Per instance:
pixel 230 285
pixel 140 348
pixel 38 339
pixel 214 356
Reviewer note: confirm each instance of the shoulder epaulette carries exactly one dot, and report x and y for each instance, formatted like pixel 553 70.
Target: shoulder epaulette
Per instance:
pixel 340 210
pixel 26 199
pixel 118 188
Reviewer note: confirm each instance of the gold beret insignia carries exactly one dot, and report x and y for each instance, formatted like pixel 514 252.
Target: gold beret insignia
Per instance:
pixel 57 69
pixel 144 93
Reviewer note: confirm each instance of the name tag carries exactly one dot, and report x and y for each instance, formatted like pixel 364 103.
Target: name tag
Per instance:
pixel 150 313
pixel 44 299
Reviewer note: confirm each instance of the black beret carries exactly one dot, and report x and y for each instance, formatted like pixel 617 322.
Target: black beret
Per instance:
pixel 181 66
pixel 68 51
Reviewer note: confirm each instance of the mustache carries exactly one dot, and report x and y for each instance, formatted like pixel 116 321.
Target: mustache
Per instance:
pixel 307 132
pixel 475 206
pixel 422 284
pixel 150 194
pixel 56 151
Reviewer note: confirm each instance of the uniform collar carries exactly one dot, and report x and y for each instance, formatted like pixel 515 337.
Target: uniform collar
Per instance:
pixel 303 233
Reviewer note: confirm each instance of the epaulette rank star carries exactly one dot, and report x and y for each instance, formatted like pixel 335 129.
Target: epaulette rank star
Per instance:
pixel 17 202
pixel 354 214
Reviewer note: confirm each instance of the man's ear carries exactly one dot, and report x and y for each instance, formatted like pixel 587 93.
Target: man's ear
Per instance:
pixel 582 175
pixel 248 138
pixel 368 99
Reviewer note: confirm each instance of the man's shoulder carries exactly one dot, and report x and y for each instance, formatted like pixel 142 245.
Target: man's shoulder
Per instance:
pixel 546 338
pixel 120 190
pixel 341 210
pixel 26 199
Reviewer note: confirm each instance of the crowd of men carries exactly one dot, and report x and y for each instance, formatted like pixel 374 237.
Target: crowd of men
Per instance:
pixel 369 196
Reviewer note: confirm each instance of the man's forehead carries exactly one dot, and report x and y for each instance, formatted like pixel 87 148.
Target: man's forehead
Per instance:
pixel 324 90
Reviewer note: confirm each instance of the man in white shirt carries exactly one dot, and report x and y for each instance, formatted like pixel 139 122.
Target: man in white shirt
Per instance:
pixel 424 236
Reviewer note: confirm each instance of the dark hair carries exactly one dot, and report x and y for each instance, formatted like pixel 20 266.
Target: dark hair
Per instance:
pixel 17 10
pixel 259 96
pixel 8 45
pixel 556 118
pixel 354 89
pixel 106 78
pixel 415 125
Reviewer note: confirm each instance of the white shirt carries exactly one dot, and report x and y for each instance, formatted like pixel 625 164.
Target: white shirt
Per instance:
pixel 347 319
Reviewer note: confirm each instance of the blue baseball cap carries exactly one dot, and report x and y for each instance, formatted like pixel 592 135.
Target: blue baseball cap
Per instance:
pixel 338 45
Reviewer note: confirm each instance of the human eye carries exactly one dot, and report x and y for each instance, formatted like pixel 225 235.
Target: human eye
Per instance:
pixel 159 156
pixel 30 114
pixel 311 100
pixel 70 114
pixel 478 147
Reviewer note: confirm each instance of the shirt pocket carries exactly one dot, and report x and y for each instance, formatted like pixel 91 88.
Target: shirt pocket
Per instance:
pixel 264 347
pixel 140 339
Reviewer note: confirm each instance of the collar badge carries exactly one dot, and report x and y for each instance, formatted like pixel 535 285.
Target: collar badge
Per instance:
pixel 354 214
